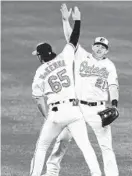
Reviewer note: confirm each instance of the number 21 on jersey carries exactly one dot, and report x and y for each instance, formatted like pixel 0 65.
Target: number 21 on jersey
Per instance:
pixel 58 81
pixel 100 83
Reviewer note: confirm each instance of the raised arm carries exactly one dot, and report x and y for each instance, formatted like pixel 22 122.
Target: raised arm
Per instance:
pixel 70 48
pixel 76 30
pixel 65 20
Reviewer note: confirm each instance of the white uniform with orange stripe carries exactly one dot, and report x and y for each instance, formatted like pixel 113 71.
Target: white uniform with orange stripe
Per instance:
pixel 92 81
pixel 93 77
pixel 55 80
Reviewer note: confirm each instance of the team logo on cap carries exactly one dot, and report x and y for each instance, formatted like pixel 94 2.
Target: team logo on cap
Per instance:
pixel 102 39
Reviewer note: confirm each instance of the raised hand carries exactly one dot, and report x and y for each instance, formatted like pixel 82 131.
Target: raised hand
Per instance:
pixel 76 14
pixel 65 12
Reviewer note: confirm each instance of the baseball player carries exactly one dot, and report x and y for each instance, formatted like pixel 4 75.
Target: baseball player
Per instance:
pixel 54 79
pixel 95 79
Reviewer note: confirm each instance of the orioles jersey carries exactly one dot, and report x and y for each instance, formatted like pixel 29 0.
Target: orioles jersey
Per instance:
pixel 93 77
pixel 54 79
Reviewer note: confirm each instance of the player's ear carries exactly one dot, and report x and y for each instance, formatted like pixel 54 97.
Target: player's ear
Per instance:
pixel 106 51
pixel 92 47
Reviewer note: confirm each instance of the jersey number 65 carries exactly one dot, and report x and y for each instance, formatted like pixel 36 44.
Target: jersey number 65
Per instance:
pixel 63 81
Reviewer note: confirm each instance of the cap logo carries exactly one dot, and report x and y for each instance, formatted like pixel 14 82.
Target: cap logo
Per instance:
pixel 102 39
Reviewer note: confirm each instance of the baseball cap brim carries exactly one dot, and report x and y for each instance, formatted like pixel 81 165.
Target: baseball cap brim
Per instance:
pixel 96 43
pixel 34 53
pixel 52 55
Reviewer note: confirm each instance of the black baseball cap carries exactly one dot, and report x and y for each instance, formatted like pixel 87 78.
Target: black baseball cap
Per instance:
pixel 43 49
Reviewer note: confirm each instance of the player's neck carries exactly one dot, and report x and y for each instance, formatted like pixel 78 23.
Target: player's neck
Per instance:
pixel 97 57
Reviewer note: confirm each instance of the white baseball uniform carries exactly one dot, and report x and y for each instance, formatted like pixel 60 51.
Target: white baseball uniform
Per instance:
pixel 54 79
pixel 92 80
pixel 95 77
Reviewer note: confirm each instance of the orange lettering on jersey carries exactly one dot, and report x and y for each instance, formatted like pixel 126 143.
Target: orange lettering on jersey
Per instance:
pixel 86 70
pixel 53 66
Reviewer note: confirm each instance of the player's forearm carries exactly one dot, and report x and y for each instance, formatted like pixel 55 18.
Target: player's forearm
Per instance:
pixel 114 95
pixel 67 29
pixel 75 33
pixel 41 105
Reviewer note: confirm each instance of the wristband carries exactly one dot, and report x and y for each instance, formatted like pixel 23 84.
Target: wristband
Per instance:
pixel 114 102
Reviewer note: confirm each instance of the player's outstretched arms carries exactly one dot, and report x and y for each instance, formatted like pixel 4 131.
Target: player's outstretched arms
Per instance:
pixel 65 20
pixel 76 15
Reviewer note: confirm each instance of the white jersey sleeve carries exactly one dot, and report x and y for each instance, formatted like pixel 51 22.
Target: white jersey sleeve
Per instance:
pixel 112 78
pixel 80 52
pixel 68 52
pixel 38 83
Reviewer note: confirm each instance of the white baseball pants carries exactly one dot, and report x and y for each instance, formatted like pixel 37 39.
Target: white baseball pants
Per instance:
pixel 67 116
pixel 103 136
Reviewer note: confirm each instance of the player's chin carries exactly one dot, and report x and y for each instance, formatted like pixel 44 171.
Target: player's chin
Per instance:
pixel 99 55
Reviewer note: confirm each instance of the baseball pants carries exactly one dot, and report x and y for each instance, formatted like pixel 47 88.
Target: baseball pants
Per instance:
pixel 103 136
pixel 56 122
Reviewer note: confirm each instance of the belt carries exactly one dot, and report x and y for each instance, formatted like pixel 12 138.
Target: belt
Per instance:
pixel 91 103
pixel 81 101
pixel 59 102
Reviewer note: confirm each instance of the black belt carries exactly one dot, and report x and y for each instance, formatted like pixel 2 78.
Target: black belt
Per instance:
pixel 59 102
pixel 91 103
pixel 81 101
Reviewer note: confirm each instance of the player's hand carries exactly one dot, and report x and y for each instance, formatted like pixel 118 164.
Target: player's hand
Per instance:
pixel 65 13
pixel 76 14
pixel 115 108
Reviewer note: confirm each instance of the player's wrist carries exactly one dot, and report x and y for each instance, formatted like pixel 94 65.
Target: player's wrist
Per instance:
pixel 77 18
pixel 65 19
pixel 114 103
